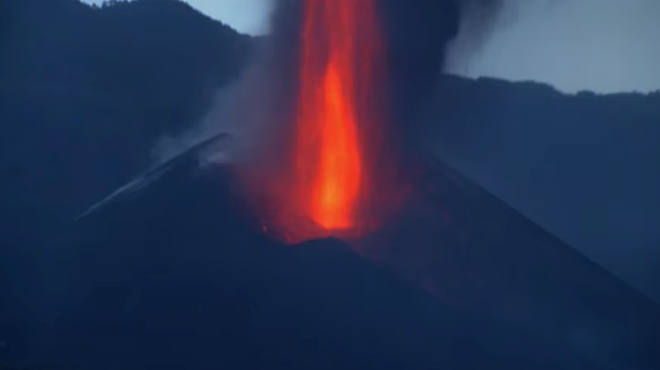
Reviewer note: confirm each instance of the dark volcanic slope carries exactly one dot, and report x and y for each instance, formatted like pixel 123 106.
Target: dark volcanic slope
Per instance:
pixel 173 276
pixel 474 251
pixel 585 166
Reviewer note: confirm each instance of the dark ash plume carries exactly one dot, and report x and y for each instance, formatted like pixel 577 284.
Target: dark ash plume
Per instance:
pixel 419 33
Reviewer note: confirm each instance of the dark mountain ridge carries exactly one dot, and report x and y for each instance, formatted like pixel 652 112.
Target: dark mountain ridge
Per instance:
pixel 86 92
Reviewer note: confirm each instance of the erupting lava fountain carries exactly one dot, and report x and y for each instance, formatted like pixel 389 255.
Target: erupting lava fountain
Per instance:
pixel 338 181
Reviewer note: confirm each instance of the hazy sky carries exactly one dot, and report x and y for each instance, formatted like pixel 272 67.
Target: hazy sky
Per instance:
pixel 599 45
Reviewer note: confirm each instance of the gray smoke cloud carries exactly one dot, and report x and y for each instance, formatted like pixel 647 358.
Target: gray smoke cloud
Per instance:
pixel 243 110
pixel 250 110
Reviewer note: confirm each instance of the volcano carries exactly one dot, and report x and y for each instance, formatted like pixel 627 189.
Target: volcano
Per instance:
pixel 178 266
pixel 175 270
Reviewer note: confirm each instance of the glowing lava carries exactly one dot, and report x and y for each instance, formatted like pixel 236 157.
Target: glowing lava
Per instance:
pixel 337 52
pixel 336 179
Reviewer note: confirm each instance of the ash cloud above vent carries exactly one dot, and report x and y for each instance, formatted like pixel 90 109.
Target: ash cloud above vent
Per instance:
pixel 419 35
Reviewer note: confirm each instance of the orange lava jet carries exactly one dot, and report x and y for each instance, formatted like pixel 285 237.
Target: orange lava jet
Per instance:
pixel 328 150
pixel 336 183
pixel 338 55
pixel 336 177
